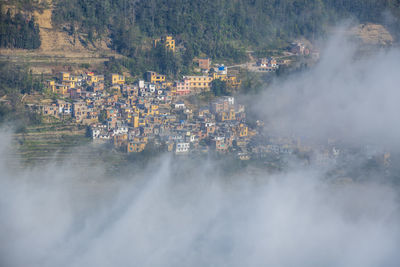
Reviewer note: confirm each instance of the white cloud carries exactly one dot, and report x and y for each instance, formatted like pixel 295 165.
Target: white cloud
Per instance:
pixel 351 98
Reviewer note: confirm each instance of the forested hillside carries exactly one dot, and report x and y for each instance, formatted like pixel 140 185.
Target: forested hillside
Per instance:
pixel 220 29
pixel 216 28
pixel 18 31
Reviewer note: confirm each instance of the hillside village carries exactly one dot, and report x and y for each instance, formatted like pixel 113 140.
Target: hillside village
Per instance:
pixel 155 110
pixel 132 115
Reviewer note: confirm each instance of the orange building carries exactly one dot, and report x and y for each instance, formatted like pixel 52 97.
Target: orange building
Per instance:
pixel 204 63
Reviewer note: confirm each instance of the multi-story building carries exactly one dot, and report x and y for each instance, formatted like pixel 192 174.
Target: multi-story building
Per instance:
pixel 182 87
pixel 92 78
pixel 64 107
pixel 135 147
pixel 199 83
pixel 219 144
pixel 227 116
pixel 61 89
pixel 66 78
pixel 51 110
pixel 167 41
pixel 204 63
pixel 153 77
pixel 182 147
pixel 79 110
pixel 117 79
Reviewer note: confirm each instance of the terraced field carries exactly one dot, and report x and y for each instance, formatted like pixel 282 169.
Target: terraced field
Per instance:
pixel 60 143
pixel 41 144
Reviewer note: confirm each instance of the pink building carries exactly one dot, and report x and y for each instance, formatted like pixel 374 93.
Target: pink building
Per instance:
pixel 183 87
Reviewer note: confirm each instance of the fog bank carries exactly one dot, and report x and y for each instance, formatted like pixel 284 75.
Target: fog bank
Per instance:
pixel 347 96
pixel 185 213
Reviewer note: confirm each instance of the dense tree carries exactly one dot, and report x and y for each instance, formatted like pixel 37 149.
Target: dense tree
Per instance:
pixel 219 29
pixel 18 31
pixel 252 84
pixel 219 88
pixel 16 79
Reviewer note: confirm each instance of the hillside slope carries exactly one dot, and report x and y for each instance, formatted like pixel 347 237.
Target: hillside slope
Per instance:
pixel 54 39
pixel 373 34
pixel 57 48
pixel 218 28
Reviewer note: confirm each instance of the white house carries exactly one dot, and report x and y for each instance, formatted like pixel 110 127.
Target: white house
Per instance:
pixel 182 148
pixel 180 105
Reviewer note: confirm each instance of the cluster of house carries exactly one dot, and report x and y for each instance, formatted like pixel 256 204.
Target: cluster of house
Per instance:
pixel 267 64
pixel 173 125
pixel 68 85
pixel 154 111
pixel 150 110
pixel 299 48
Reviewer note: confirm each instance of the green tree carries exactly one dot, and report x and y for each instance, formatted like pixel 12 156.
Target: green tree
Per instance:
pixel 219 88
pixel 251 84
pixel 18 31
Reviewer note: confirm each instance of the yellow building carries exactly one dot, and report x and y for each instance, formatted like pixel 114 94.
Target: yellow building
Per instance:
pixel 199 82
pixel 61 89
pixel 228 116
pixel 221 76
pixel 135 121
pixel 166 85
pixel 135 109
pixel 243 130
pixel 117 79
pixel 120 140
pixel 168 42
pixel 136 147
pixel 142 122
pixel 233 81
pixel 65 76
pixel 56 88
pixel 154 77
pixel 115 90
pixel 71 84
pixel 92 78
pixel 152 110
pixel 170 146
pixel 51 85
